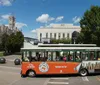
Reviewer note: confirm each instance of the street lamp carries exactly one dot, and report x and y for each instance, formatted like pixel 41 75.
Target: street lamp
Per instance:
pixel 74 37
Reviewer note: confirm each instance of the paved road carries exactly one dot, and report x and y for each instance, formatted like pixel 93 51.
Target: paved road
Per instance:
pixel 10 75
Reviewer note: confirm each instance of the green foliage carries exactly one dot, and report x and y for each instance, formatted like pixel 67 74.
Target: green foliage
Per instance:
pixel 4 39
pixel 12 43
pixel 1 47
pixel 80 38
pixel 1 54
pixel 90 24
pixel 63 40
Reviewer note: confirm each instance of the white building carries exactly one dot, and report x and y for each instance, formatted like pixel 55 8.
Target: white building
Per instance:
pixel 57 31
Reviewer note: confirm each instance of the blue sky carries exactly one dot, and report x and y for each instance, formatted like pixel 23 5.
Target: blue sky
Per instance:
pixel 32 14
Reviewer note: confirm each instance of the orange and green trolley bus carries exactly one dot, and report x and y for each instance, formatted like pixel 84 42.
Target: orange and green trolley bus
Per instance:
pixel 58 59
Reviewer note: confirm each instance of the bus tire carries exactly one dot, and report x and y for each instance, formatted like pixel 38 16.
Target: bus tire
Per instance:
pixel 83 72
pixel 31 73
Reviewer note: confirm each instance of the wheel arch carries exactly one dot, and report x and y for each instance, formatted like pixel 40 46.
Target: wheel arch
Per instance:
pixel 85 69
pixel 30 70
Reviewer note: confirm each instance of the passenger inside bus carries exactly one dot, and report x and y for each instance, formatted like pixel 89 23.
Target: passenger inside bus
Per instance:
pixel 84 56
pixel 64 58
pixel 26 59
pixel 78 58
pixel 98 58
pixel 49 58
pixel 70 58
pixel 57 58
pixel 91 56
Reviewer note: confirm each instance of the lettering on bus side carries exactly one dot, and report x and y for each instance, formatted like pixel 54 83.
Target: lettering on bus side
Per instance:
pixel 60 66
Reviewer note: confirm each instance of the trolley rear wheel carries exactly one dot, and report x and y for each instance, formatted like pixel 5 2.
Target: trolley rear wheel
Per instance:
pixel 83 72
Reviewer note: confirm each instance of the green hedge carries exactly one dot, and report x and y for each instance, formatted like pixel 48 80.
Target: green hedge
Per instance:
pixel 1 54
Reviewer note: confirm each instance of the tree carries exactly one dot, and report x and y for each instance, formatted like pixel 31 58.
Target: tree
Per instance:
pixel 90 24
pixel 4 39
pixel 19 40
pixel 13 42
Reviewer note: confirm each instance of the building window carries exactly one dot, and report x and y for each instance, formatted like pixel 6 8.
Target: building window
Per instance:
pixel 67 35
pixel 40 36
pixel 50 35
pixel 63 35
pixel 55 35
pixel 46 35
pixel 59 36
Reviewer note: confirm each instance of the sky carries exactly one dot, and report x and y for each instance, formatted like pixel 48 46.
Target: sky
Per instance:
pixel 33 14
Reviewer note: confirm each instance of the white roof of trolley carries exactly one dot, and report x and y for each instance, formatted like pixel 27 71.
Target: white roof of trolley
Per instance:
pixel 58 47
pixel 66 45
pixel 62 48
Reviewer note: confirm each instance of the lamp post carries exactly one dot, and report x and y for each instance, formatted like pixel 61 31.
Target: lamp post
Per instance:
pixel 74 38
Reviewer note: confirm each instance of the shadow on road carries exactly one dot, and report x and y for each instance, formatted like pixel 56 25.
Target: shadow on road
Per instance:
pixel 62 75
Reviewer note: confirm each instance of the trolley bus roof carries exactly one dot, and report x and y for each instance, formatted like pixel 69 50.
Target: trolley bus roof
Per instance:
pixel 62 48
pixel 66 45
pixel 59 47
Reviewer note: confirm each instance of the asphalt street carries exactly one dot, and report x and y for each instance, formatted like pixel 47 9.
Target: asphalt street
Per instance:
pixel 10 75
